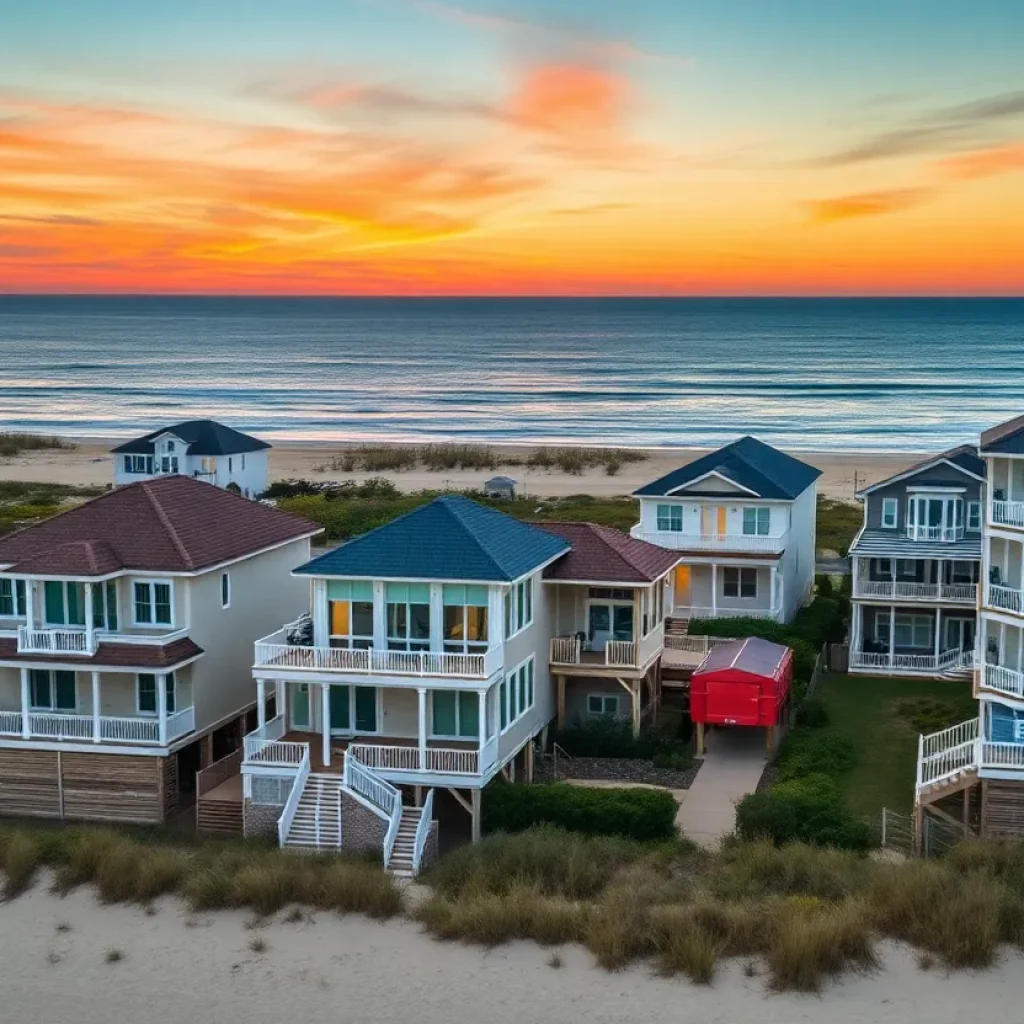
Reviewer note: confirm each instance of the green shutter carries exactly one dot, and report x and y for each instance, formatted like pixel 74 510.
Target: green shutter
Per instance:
pixel 65 691
pixel 171 695
pixel 469 714
pixel 54 599
pixel 340 719
pixel 366 709
pixel 442 721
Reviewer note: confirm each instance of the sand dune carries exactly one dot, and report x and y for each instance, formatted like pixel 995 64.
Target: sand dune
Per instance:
pixel 199 969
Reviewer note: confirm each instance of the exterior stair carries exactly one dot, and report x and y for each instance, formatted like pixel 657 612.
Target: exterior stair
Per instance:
pixel 401 863
pixel 317 821
pixel 962 670
pixel 675 626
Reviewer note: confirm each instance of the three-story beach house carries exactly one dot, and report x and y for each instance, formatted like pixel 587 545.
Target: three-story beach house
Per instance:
pixel 742 520
pixel 126 632
pixel 916 563
pixel 429 659
pixel 204 449
pixel 974 771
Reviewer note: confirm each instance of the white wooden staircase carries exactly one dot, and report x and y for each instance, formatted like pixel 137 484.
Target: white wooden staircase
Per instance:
pixel 403 855
pixel 317 821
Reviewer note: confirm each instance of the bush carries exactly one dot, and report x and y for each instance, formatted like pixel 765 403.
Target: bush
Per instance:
pixel 802 754
pixel 926 714
pixel 610 738
pixel 640 814
pixel 812 714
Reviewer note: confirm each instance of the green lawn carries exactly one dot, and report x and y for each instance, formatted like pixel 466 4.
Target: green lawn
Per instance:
pixel 883 717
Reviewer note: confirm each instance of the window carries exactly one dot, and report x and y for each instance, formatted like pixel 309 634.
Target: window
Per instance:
pixel 350 624
pixel 516 693
pixel 12 597
pixel 353 705
pixel 147 692
pixel 52 691
pixel 208 465
pixel 740 583
pixel 974 515
pixel 408 616
pixel 138 463
pixel 913 630
pixel 890 513
pixel 152 603
pixel 883 566
pixel 465 618
pixel 600 705
pixel 906 568
pixel 670 518
pixel 169 446
pixel 64 603
pixel 243 460
pixel 169 465
pixel 454 714
pixel 225 590
pixel 104 605
pixel 231 465
pixel 518 607
pixel 756 521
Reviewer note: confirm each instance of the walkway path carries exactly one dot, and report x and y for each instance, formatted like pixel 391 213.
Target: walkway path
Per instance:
pixel 732 767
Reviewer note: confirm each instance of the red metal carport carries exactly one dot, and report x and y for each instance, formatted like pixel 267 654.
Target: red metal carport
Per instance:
pixel 745 682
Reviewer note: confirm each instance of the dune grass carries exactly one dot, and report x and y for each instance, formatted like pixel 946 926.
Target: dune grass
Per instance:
pixel 14 442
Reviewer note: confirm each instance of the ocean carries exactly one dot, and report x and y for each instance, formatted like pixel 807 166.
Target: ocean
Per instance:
pixel 814 374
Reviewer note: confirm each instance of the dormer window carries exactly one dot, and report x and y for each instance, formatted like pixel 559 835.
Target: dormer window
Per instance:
pixel 170 446
pixel 935 517
pixel 890 513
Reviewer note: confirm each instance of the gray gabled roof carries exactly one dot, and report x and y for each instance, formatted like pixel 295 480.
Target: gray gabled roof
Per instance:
pixel 964 457
pixel 450 538
pixel 203 437
pixel 749 463
pixel 1006 438
pixel 878 543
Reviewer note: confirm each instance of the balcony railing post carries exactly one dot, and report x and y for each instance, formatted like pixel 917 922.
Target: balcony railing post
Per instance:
pixel 97 733
pixel 26 706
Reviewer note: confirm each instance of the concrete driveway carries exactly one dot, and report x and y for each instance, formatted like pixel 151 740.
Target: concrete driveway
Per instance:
pixel 732 767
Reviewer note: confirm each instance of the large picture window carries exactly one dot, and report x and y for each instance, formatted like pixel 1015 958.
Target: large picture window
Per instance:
pixel 465 621
pixel 518 607
pixel 408 616
pixel 152 603
pixel 454 714
pixel 739 582
pixel 350 613
pixel 52 691
pixel 147 694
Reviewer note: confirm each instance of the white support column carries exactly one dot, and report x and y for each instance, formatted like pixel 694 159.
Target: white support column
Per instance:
pixel 380 641
pixel 30 602
pixel 325 721
pixel 938 634
pixel 96 736
pixel 26 705
pixel 856 630
pixel 773 591
pixel 261 703
pixel 161 707
pixel 436 617
pixel 421 733
pixel 892 635
pixel 90 629
pixel 481 717
pixel 714 590
pixel 279 699
pixel 1002 643
pixel 320 613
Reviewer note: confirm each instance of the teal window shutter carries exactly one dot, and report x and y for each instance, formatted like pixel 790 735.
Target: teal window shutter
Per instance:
pixel 366 709
pixel 147 693
pixel 340 715
pixel 443 713
pixel 469 707
pixel 53 594
pixel 64 687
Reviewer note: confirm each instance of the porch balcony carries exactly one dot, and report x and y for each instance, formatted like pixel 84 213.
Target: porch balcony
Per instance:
pixel 82 642
pixel 945 534
pixel 273 654
pixel 713 542
pixel 1008 513
pixel 83 728
pixel 949 754
pixel 1001 681
pixel 910 660
pixel 1005 599
pixel 577 652
pixel 952 593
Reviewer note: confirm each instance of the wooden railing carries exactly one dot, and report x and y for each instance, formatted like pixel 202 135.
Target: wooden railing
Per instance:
pixel 284 823
pixel 423 832
pixel 565 650
pixel 213 775
pixel 620 652
pixel 1008 513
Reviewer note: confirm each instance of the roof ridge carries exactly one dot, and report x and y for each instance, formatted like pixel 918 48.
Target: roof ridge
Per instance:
pixel 166 523
pixel 456 508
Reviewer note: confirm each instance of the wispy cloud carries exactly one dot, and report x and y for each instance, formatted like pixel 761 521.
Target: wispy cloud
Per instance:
pixel 933 131
pixel 985 163
pixel 865 204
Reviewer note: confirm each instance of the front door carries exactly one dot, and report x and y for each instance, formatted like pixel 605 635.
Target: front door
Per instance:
pixel 682 586
pixel 609 622
pixel 960 634
pixel 712 520
pixel 300 706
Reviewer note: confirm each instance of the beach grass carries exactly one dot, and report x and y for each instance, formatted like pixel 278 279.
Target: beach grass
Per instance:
pixel 14 443
pixel 837 524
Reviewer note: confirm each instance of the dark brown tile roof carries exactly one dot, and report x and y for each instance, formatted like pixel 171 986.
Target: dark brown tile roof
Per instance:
pixel 113 655
pixel 170 524
pixel 600 554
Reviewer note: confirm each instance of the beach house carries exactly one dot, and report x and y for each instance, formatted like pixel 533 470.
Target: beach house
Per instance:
pixel 203 449
pixel 974 771
pixel 916 564
pixel 428 660
pixel 742 520
pixel 126 632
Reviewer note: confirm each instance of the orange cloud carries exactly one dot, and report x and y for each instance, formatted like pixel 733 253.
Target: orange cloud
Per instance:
pixel 985 163
pixel 865 204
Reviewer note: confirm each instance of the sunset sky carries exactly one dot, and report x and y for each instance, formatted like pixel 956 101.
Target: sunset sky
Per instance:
pixel 622 147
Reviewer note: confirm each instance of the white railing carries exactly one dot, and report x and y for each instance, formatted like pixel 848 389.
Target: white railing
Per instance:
pixel 397 758
pixel 489 754
pixel 1003 680
pixel 284 823
pixel 141 639
pixel 1007 599
pixel 620 652
pixel 10 723
pixel 270 653
pixel 954 736
pixel 565 650
pixel 1002 755
pixel 360 779
pixel 423 832
pixel 180 723
pixel 961 748
pixel 959 592
pixel 60 727
pixel 694 611
pixel 918 531
pixel 56 641
pixel 911 662
pixel 449 761
pixel 698 644
pixel 266 746
pixel 711 541
pixel 437 760
pixel 1008 513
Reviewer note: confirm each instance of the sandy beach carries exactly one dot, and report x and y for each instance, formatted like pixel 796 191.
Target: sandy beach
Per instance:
pixel 199 969
pixel 90 464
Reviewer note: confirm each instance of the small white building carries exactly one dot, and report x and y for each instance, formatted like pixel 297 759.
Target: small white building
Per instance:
pixel 204 449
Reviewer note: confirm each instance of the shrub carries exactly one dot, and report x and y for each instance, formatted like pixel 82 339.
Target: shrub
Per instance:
pixel 927 714
pixel 19 858
pixel 610 738
pixel 636 813
pixel 803 753
pixel 812 714
pixel 675 762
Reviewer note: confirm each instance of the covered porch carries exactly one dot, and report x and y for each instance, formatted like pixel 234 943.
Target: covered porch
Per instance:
pixel 912 640
pixel 709 589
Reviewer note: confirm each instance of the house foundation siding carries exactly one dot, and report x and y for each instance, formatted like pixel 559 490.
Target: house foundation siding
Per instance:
pixel 361 828
pixel 260 819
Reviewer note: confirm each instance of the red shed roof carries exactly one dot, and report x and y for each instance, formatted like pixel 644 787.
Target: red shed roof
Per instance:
pixel 170 524
pixel 600 554
pixel 752 655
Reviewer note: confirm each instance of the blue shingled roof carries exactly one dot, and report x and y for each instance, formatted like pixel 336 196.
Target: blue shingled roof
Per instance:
pixel 451 538
pixel 747 462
